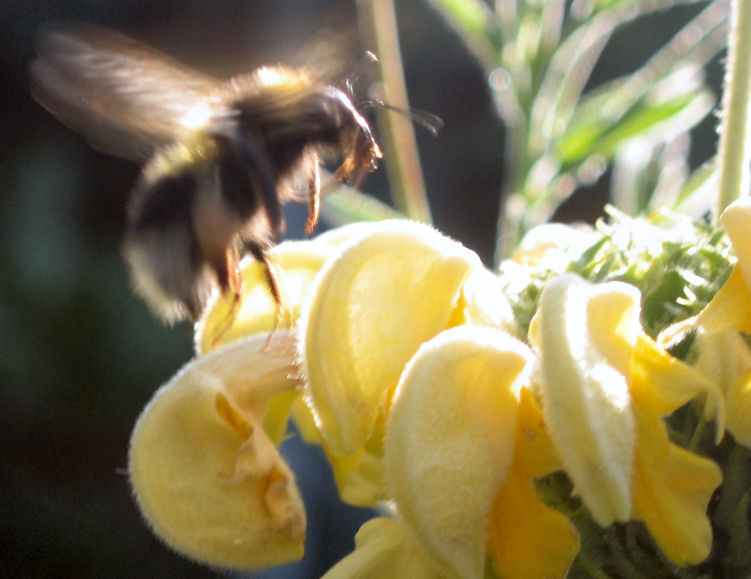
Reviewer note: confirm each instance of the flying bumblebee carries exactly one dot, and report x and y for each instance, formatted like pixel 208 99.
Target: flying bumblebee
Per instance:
pixel 221 157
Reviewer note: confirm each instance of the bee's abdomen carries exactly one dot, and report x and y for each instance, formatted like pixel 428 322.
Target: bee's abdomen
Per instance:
pixel 241 184
pixel 162 201
pixel 160 243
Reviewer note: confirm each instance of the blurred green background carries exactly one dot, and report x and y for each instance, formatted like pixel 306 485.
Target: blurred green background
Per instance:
pixel 80 355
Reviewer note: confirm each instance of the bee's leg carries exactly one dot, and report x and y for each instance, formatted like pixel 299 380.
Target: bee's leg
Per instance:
pixel 234 280
pixel 314 201
pixel 230 282
pixel 343 172
pixel 351 172
pixel 260 254
pixel 274 279
pixel 357 176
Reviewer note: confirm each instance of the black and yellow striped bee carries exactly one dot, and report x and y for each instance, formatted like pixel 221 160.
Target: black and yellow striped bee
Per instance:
pixel 221 157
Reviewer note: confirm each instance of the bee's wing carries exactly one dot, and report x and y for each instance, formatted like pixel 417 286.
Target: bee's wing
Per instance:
pixel 124 96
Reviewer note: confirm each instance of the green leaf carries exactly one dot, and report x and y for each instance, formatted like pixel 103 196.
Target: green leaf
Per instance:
pixel 470 16
pixel 602 110
pixel 601 136
pixel 602 5
pixel 677 264
pixel 476 26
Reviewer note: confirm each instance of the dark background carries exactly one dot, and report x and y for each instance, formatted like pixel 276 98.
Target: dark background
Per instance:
pixel 80 355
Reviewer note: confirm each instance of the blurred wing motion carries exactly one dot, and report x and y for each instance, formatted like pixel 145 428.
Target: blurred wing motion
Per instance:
pixel 125 97
pixel 220 157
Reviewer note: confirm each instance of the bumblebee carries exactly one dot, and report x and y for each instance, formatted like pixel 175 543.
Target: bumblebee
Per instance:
pixel 220 157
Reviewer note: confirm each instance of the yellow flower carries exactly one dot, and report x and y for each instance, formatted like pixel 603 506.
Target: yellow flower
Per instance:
pixel 527 538
pixel 550 245
pixel 389 290
pixel 464 442
pixel 204 463
pixel 722 353
pixel 204 469
pixel 419 394
pixel 401 340
pixel 605 387
pixel 298 262
pixel 450 441
pixel 384 549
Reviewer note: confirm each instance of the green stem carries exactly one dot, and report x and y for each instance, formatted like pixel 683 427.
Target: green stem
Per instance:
pixel 731 514
pixel 734 131
pixel 397 131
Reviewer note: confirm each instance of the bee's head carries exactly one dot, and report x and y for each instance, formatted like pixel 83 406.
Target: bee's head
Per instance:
pixel 364 151
pixel 359 150
pixel 290 112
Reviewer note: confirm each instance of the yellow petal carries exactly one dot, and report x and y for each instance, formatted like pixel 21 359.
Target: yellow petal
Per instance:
pixel 298 263
pixel 535 453
pixel 450 440
pixel 384 549
pixel 278 410
pixel 672 488
pixel 384 295
pixel 613 322
pixel 739 409
pixel 526 538
pixel 723 356
pixel 205 474
pixel 730 308
pixel 360 477
pixel 483 302
pixel 305 422
pixel 546 245
pixel 662 383
pixel 737 221
pixel 585 397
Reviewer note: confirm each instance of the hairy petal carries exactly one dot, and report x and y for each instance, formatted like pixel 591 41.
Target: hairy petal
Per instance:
pixel 584 334
pixel 450 441
pixel 672 488
pixel 386 293
pixel 739 409
pixel 206 475
pixel 526 538
pixel 384 549
pixel 737 219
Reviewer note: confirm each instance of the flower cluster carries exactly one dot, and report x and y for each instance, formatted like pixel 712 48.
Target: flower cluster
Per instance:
pixel 503 431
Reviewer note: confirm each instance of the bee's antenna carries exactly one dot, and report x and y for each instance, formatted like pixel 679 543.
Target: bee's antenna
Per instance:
pixel 430 122
pixel 364 63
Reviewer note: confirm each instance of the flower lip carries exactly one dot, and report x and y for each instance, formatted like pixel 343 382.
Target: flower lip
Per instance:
pixel 388 291
pixel 205 474
pixel 450 440
pixel 583 334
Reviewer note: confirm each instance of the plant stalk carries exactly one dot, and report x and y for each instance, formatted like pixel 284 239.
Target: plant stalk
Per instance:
pixel 733 154
pixel 396 130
